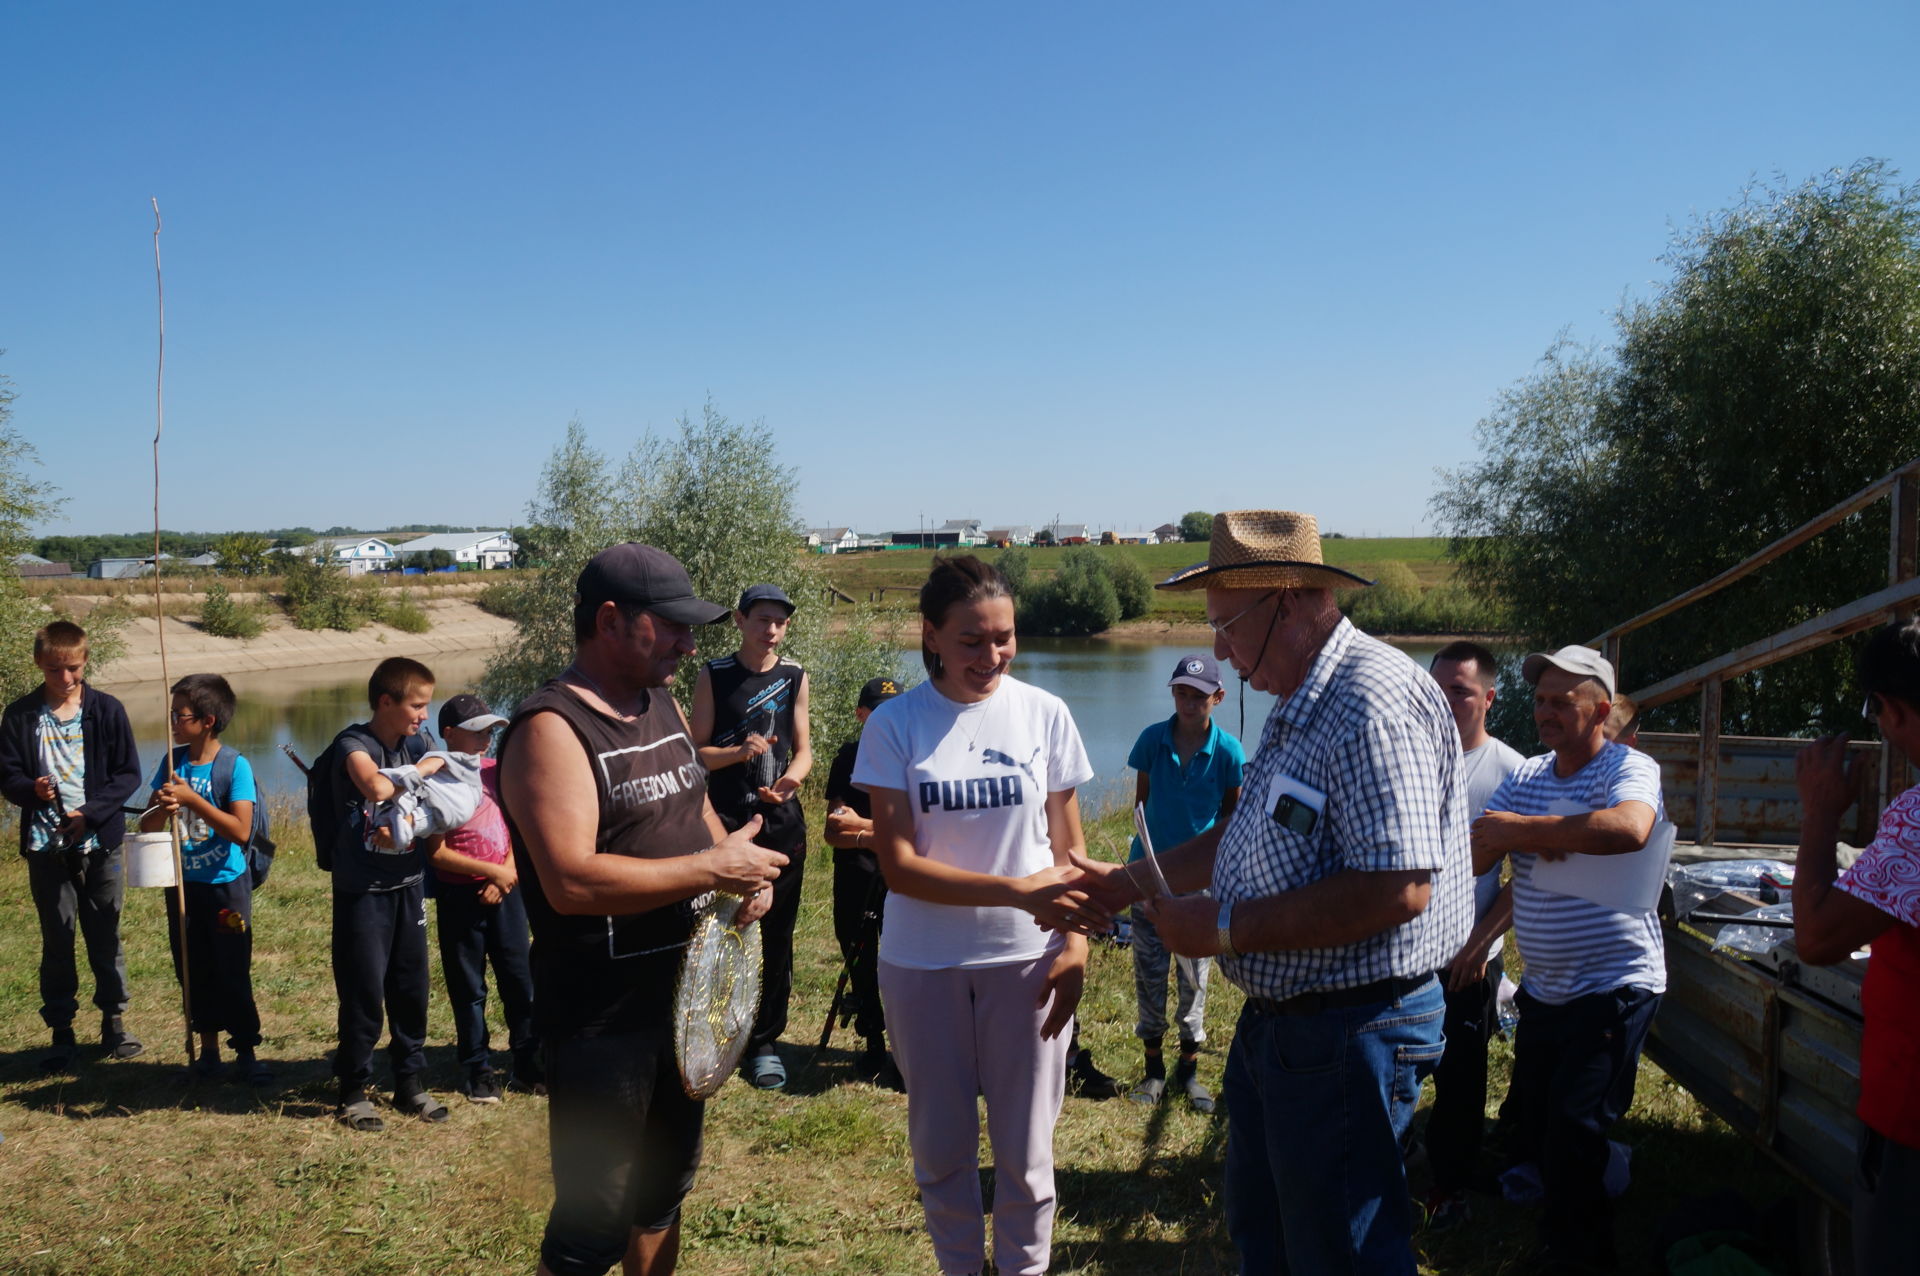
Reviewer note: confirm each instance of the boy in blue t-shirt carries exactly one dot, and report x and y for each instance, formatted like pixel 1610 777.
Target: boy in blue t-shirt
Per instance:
pixel 1189 777
pixel 214 833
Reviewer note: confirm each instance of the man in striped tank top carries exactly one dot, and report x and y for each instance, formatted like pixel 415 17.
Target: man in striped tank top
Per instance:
pixel 1594 974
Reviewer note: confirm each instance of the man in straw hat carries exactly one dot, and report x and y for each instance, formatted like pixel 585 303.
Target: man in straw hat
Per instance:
pixel 613 835
pixel 1340 883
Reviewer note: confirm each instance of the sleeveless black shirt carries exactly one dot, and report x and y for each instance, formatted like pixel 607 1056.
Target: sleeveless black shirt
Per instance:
pixel 745 702
pixel 616 973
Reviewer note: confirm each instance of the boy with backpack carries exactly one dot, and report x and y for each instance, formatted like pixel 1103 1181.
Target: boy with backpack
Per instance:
pixel 379 909
pixel 210 788
pixel 482 917
pixel 67 761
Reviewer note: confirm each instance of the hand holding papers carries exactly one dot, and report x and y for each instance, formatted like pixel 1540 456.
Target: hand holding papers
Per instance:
pixel 1156 886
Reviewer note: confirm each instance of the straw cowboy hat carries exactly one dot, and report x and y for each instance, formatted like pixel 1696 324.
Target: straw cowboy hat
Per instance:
pixel 1263 549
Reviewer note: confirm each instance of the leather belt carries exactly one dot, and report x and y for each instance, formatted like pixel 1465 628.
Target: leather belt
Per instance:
pixel 1312 1003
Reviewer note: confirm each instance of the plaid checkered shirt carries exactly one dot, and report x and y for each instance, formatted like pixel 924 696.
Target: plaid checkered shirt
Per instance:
pixel 1370 729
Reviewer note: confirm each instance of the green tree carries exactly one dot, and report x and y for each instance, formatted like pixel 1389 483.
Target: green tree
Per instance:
pixel 246 554
pixel 1776 371
pixel 1196 525
pixel 1130 586
pixel 714 495
pixel 1016 564
pixel 1392 605
pixel 438 558
pixel 24 501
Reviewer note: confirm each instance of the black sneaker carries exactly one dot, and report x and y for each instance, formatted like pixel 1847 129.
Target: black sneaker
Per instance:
pixel 528 1076
pixel 482 1086
pixel 1088 1081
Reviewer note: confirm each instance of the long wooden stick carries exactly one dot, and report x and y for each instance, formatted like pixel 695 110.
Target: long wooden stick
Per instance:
pixel 160 624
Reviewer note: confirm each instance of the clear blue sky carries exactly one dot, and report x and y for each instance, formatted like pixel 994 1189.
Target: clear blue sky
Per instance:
pixel 1112 261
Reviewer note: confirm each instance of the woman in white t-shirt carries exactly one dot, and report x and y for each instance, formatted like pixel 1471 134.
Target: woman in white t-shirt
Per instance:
pixel 972 775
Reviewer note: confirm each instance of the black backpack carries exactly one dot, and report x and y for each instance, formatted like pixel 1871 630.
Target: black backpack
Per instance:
pixel 259 846
pixel 326 807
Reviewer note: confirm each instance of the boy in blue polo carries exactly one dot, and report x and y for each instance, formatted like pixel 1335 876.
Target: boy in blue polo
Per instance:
pixel 1189 777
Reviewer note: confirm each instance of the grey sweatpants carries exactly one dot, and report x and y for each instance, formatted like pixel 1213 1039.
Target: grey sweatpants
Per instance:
pixel 1150 960
pixel 961 1033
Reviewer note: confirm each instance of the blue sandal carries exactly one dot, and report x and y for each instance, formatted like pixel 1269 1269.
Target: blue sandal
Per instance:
pixel 766 1072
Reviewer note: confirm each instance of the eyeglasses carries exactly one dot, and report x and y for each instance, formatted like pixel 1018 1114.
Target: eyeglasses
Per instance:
pixel 1220 627
pixel 185 715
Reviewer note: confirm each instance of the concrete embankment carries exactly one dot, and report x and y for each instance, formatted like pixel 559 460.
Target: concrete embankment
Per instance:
pixel 458 626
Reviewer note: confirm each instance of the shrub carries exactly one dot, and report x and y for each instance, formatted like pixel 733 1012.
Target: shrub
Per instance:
pixel 1130 586
pixel 406 614
pixel 1077 599
pixel 502 598
pixel 1015 563
pixel 223 617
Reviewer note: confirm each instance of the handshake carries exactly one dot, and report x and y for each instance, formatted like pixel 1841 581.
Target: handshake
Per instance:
pixel 1084 896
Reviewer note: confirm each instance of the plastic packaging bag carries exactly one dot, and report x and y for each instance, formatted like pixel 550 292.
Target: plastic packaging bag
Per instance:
pixel 1758 939
pixel 1695 884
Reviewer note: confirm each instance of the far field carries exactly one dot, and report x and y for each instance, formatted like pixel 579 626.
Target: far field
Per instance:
pixel 866 575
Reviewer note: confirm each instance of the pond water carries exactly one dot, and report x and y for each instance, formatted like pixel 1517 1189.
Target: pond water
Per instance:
pixel 1113 688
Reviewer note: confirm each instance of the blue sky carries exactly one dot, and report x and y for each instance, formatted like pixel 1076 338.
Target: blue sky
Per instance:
pixel 1111 261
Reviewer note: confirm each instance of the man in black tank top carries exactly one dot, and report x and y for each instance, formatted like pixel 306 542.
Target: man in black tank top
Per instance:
pixel 750 723
pixel 613 835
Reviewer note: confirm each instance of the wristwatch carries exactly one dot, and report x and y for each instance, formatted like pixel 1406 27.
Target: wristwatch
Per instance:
pixel 1223 930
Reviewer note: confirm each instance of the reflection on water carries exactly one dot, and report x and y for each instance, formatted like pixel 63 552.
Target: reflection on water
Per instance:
pixel 1113 688
pixel 304 708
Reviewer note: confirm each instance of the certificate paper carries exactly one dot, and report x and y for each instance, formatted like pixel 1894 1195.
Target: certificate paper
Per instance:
pixel 1160 889
pixel 1624 883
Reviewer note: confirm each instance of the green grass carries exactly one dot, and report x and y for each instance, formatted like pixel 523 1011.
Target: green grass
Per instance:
pixel 125 1169
pixel 900 572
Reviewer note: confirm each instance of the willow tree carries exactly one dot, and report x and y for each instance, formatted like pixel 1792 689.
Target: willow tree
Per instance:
pixel 1776 371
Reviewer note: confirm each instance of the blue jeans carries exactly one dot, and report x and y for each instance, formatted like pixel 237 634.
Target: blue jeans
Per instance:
pixel 1316 1108
pixel 471 935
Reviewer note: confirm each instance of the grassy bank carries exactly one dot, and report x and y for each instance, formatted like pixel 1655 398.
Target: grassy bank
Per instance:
pixel 126 1169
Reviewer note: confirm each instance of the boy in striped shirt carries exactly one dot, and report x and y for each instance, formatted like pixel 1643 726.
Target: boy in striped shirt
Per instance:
pixel 1594 974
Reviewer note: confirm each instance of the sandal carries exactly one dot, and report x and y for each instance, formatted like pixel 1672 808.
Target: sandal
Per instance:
pixel 766 1072
pixel 422 1105
pixel 248 1070
pixel 360 1115
pixel 203 1068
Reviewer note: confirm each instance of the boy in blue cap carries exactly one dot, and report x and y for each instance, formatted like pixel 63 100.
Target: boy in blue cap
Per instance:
pixel 1189 774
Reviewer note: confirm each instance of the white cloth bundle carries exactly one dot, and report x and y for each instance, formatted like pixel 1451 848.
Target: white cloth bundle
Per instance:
pixel 426 806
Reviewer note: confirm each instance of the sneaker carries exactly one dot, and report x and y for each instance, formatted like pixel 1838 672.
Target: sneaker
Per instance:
pixel 116 1040
pixel 528 1075
pixel 1186 1075
pixel 887 1076
pixel 482 1087
pixel 1446 1210
pixel 60 1057
pixel 1088 1081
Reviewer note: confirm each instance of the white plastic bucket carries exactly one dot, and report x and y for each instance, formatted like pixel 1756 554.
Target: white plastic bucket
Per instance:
pixel 149 859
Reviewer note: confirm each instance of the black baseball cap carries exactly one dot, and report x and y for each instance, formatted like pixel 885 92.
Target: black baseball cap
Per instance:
pixel 468 712
pixel 642 576
pixel 763 594
pixel 878 691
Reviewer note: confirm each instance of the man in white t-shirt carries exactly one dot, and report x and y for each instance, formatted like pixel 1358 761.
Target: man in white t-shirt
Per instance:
pixel 1594 973
pixel 1468 675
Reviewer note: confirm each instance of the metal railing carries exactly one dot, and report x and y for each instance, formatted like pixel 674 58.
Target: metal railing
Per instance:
pixel 1899 599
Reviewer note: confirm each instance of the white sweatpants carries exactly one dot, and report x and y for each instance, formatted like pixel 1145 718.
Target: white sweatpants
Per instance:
pixel 963 1032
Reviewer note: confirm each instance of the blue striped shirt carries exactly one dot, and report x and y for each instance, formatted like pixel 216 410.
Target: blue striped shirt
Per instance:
pixel 1572 946
pixel 1371 730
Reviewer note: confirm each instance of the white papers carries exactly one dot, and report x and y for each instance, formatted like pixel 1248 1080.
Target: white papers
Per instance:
pixel 1625 883
pixel 1159 888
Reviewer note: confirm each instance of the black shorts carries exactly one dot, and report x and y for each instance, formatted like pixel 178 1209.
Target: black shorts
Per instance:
pixel 625 1141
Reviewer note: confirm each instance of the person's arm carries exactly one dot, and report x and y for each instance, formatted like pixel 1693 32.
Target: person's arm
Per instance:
pixel 366 777
pixel 1829 924
pixel 1228 800
pixel 1469 966
pixel 121 779
pixel 546 782
pixel 848 831
pixel 1614 830
pixel 19 770
pixel 801 763
pixel 1051 895
pixel 1142 788
pixel 447 860
pixel 1067 976
pixel 712 756
pixel 1335 911
pixel 235 824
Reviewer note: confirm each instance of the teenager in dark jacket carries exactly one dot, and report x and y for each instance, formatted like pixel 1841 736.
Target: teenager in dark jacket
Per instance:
pixel 67 761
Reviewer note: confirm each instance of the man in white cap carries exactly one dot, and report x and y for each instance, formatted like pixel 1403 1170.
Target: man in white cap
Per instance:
pixel 1340 883
pixel 1595 971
